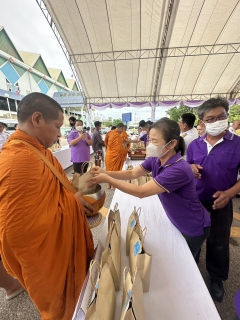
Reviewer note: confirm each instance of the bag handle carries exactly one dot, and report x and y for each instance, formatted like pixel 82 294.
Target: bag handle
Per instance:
pixel 139 211
pixel 92 263
pixel 83 166
pixel 60 177
pixel 144 232
pixel 109 235
pixel 115 207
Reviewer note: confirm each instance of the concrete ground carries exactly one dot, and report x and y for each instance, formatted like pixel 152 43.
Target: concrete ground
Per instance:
pixel 22 308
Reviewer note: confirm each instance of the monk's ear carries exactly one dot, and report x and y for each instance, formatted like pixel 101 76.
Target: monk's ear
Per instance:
pixel 37 119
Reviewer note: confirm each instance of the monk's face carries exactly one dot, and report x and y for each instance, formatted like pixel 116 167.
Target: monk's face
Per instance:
pixel 50 131
pixel 1 127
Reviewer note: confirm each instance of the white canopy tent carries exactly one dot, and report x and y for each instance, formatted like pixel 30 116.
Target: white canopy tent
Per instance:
pixel 142 50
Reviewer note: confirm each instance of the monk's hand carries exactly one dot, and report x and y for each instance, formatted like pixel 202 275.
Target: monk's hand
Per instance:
pixel 222 198
pixel 196 168
pixel 86 206
pixel 98 178
pixel 96 170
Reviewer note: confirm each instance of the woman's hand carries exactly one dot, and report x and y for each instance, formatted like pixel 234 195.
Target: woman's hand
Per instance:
pixel 83 135
pixel 96 170
pixel 98 178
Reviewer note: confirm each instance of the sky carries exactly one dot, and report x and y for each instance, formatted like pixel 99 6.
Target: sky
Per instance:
pixel 29 31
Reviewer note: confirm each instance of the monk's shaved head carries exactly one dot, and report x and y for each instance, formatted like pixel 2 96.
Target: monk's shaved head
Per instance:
pixel 38 102
pixel 120 126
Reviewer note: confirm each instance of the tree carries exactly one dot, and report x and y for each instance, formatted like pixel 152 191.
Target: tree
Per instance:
pixel 107 123
pixel 234 113
pixel 115 122
pixel 175 113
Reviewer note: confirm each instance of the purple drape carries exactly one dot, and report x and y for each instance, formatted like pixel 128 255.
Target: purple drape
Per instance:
pixel 163 104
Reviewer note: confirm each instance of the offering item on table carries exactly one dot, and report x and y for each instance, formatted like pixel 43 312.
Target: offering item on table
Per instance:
pixel 137 154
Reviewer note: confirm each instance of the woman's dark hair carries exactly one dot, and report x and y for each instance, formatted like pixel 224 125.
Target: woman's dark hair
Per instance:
pixel 77 121
pixel 212 104
pixel 170 131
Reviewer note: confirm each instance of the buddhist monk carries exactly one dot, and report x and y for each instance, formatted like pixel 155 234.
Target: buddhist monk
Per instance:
pixel 45 241
pixel 107 136
pixel 116 152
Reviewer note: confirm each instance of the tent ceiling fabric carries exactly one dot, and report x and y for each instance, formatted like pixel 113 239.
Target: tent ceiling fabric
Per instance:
pixel 109 26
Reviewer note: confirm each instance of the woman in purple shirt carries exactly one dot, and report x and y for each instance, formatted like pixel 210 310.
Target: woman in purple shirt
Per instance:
pixel 173 182
pixel 80 143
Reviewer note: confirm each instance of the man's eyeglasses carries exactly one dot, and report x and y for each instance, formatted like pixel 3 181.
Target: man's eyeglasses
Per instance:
pixel 211 120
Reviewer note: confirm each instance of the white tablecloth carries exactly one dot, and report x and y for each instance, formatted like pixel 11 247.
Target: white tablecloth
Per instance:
pixel 64 155
pixel 177 290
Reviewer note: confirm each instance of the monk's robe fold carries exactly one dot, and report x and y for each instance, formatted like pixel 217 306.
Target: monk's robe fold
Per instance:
pixel 125 137
pixel 45 241
pixel 116 153
pixel 106 139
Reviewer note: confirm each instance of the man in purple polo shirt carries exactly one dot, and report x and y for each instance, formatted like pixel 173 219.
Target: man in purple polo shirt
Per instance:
pixel 215 159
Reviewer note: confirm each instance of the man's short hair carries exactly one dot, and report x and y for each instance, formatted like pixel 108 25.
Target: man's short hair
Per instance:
pixel 72 119
pixel 212 103
pixel 142 123
pixel 97 124
pixel 38 102
pixel 120 125
pixel 189 119
pixel 149 122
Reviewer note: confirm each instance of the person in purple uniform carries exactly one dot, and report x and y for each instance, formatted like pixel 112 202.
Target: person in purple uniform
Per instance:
pixel 80 143
pixel 145 136
pixel 215 159
pixel 173 182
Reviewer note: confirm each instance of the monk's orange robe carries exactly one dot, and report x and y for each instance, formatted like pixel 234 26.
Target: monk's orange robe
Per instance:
pixel 125 137
pixel 106 139
pixel 116 153
pixel 45 241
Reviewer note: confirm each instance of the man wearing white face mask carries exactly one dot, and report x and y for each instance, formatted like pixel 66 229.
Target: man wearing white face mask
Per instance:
pixel 80 143
pixel 215 159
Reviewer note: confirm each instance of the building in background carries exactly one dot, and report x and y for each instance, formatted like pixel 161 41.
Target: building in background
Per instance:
pixel 24 72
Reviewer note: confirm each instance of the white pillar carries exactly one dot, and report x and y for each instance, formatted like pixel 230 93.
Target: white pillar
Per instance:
pixel 7 96
pixel 153 111
pixel 65 117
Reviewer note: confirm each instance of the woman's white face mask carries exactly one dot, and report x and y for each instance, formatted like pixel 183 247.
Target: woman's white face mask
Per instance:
pixel 156 151
pixel 79 128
